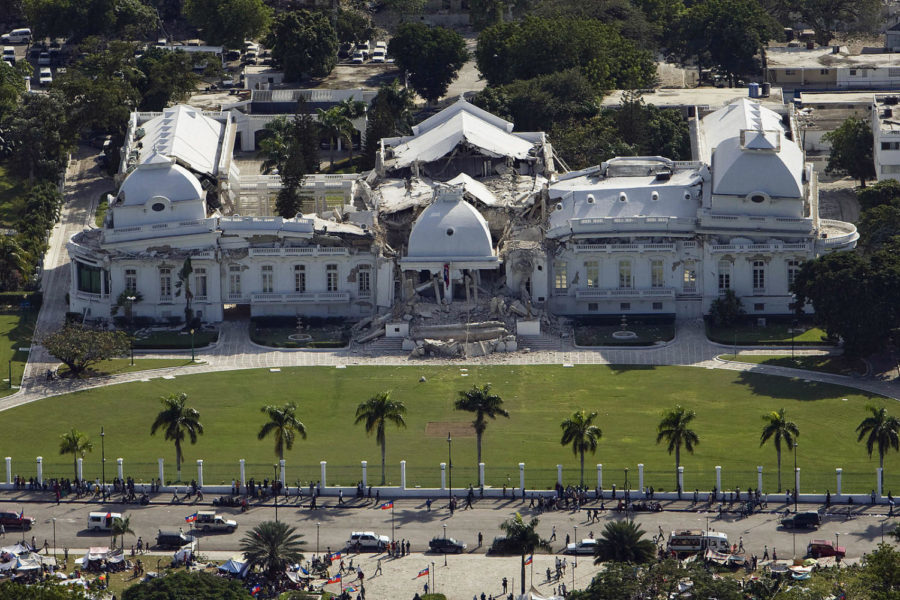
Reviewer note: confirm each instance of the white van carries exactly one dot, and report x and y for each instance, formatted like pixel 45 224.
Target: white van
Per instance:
pixel 102 521
pixel 695 540
pixel 17 36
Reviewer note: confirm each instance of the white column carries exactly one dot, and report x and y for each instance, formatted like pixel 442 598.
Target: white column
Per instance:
pixel 797 481
pixel 322 466
pixel 879 473
pixel 120 468
pixel 79 466
pixel 641 476
pixel 839 472
pixel 481 474
pixel 718 479
pixel 40 469
pixel 600 476
pixel 522 477
pixel 162 479
pixel 402 474
pixel 559 474
pixel 680 479
pixel 281 469
pixel 9 470
pixel 443 476
pixel 365 466
pixel 200 472
pixel 242 463
pixel 759 479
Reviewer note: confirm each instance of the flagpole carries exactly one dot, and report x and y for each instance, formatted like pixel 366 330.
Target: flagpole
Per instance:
pixel 392 520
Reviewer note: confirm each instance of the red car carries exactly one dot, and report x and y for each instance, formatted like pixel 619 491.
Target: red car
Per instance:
pixel 14 520
pixel 823 548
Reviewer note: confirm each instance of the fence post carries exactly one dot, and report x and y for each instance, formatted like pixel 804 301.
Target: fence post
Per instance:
pixel 641 476
pixel 243 477
pixel 79 465
pixel 162 479
pixel 40 470
pixel 443 476
pixel 759 479
pixel 281 467
pixel 200 472
pixel 879 472
pixel 522 478
pixel 599 476
pixel 839 472
pixel 559 474
pixel 9 470
pixel 120 468
pixel 365 478
pixel 323 466
pixel 680 481
pixel 797 481
pixel 402 474
pixel 718 480
pixel 481 474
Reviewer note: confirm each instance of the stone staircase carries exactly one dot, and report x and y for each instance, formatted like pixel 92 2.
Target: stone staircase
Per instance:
pixel 382 345
pixel 540 343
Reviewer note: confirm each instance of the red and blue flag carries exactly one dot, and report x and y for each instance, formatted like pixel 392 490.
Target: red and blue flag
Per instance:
pixel 387 505
pixel 334 556
pixel 529 560
pixel 256 589
pixel 422 573
pixel 335 579
pixel 191 518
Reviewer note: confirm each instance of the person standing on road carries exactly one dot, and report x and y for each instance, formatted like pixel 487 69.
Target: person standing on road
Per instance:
pixel 552 534
pixel 480 539
pixel 2 530
pixel 505 583
pixel 765 553
pixel 378 567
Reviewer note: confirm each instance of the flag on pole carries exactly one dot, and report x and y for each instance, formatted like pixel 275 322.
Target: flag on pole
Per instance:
pixel 22 514
pixel 387 505
pixel 335 579
pixel 256 589
pixel 191 518
pixel 109 515
pixel 422 573
pixel 333 556
pixel 304 571
pixel 529 560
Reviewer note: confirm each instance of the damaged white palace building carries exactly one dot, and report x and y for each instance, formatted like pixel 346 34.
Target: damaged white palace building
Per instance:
pixel 465 212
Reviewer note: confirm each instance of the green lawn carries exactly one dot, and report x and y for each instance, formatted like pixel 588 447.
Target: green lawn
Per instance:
pixel 775 333
pixel 334 336
pixel 12 198
pixel 602 335
pixel 115 366
pixel 629 401
pixel 175 339
pixel 825 363
pixel 16 329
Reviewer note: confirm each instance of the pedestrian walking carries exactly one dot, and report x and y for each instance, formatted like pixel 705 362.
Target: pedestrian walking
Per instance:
pixel 2 530
pixel 774 554
pixel 505 583
pixel 480 539
pixel 765 553
pixel 378 567
pixel 428 504
pixel 553 534
pixel 65 555
pixel 340 496
pixel 741 544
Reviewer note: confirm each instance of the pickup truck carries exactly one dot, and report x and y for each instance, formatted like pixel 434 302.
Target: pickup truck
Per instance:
pixel 208 520
pixel 822 548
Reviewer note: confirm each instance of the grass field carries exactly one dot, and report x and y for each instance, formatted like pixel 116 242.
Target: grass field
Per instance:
pixel 16 329
pixel 629 401
pixel 775 333
pixel 115 366
pixel 825 363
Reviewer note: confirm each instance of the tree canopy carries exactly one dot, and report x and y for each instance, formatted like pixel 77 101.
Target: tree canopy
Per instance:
pixel 851 150
pixel 303 43
pixel 197 585
pixel 228 22
pixel 41 137
pixel 80 347
pixel 389 115
pixel 432 56
pixel 827 17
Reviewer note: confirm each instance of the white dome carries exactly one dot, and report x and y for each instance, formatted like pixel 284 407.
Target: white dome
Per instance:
pixel 159 176
pixel 450 228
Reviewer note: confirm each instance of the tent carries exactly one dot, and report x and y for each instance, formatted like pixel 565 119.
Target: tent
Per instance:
pixel 533 594
pixel 29 562
pixel 233 567
pixel 94 553
pixel 15 550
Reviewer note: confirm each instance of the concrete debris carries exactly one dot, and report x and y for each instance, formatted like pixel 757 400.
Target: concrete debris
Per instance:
pixel 454 349
pixel 517 309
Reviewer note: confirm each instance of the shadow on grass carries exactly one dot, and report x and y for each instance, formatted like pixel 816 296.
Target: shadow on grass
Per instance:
pixel 794 388
pixel 620 369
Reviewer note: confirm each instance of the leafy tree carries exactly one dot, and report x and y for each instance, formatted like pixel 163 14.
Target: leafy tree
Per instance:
pixel 534 46
pixel 653 131
pixel 290 146
pixel 135 20
pixel 881 193
pixel 674 429
pixel 14 264
pixel 483 403
pixel 228 22
pixel 522 538
pixel 621 541
pixel 77 444
pixel 288 203
pixel 829 16
pixel 582 434
pixel 80 347
pixel 353 26
pixel 729 32
pixel 73 19
pixel 178 421
pixel 405 8
pixel 41 590
pixel 779 429
pixel 283 425
pixel 882 430
pixel 726 309
pixel 12 86
pixel 629 19
pixel 389 115
pixel 303 43
pixel 878 227
pixel 43 203
pixel 586 142
pixel 167 77
pixel 272 546
pixel 431 56
pixel 881 575
pixel 335 125
pixel 851 150
pixel 120 527
pixel 484 13
pixel 375 413
pixel 196 585
pixel 42 137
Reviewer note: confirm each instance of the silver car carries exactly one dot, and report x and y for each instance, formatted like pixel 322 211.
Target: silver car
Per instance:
pixel 585 546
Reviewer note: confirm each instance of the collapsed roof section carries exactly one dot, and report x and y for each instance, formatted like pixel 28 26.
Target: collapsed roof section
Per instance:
pixel 185 134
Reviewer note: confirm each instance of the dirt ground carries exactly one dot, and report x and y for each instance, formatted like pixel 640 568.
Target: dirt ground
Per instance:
pixel 837 196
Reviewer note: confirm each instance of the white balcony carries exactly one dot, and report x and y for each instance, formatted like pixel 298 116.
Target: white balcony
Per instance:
pixel 595 293
pixel 299 297
pixel 89 297
pixel 140 232
pixel 755 222
pixel 617 224
pixel 753 248
pixel 301 251
pixel 609 248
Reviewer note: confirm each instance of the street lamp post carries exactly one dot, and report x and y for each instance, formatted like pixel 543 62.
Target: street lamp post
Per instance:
pixel 192 345
pixel 449 469
pixel 275 486
pixel 626 488
pixel 54 537
pixel 575 539
pixel 103 458
pixel 796 477
pixel 794 325
pixel 445 537
pixel 317 539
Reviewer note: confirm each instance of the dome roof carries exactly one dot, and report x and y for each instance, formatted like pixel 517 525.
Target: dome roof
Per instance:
pixel 450 228
pixel 159 176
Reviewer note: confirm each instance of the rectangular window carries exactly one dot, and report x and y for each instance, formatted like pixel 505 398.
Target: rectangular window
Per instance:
pixel 268 279
pixel 724 276
pixel 299 278
pixel 657 306
pixel 759 307
pixel 789 72
pixel 592 307
pixel 759 276
pixel 365 280
pixel 165 285
pixel 89 279
pixel 560 279
pixel 890 145
pixel 690 281
pixel 793 267
pixel 234 280
pixel 625 280
pixel 656 274
pixel 331 278
pixel 823 71
pixel 200 283
pixel 623 306
pixel 131 281
pixel 592 270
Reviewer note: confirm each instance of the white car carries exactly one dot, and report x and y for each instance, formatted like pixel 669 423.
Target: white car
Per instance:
pixel 378 56
pixel 367 540
pixel 585 546
pixel 381 45
pixel 359 57
pixel 45 77
pixel 44 59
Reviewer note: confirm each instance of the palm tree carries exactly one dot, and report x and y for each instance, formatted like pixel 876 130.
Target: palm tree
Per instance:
pixel 121 526
pixel 621 541
pixel 335 125
pixel 13 263
pixel 883 430
pixel 284 425
pixel 579 431
pixel 272 546
pixel 483 403
pixel 178 420
pixel 522 538
pixel 352 109
pixel 779 429
pixel 375 413
pixel 75 443
pixel 674 429
pixel 274 144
